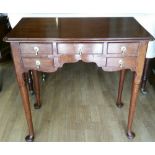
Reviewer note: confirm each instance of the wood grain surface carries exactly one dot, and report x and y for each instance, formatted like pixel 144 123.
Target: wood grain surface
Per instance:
pixel 88 113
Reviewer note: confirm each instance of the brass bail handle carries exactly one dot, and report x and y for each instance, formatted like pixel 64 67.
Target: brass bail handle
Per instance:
pixel 38 63
pixel 123 50
pixel 80 49
pixel 121 63
pixel 36 49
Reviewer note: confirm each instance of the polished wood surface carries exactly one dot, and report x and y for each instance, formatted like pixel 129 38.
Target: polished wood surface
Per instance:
pixel 105 41
pixel 119 102
pixel 20 75
pixel 78 28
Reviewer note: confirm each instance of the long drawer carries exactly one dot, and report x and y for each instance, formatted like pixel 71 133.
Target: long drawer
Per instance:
pixel 79 48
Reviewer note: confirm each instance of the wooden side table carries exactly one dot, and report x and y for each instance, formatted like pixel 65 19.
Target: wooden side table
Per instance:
pixel 45 44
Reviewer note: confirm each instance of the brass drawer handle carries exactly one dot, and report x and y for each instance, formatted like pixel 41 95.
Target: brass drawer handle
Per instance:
pixel 80 51
pixel 123 50
pixel 36 49
pixel 80 48
pixel 38 63
pixel 121 63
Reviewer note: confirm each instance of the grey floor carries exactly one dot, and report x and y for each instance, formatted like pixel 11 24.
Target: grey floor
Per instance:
pixel 78 104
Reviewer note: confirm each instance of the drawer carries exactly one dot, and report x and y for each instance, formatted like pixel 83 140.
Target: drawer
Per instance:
pixel 39 64
pixel 126 49
pixel 35 49
pixel 79 48
pixel 127 62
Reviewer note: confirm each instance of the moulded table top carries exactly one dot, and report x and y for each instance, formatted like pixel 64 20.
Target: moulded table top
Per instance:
pixel 100 28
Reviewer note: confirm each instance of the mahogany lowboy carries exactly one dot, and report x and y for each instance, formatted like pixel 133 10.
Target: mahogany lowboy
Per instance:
pixel 45 44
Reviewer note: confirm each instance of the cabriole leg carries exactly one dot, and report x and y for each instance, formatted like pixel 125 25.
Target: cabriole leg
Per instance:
pixel 133 101
pixel 26 105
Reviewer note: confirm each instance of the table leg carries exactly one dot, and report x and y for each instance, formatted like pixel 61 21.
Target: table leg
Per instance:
pixel 37 105
pixel 134 95
pixel 120 89
pixel 26 104
pixel 20 75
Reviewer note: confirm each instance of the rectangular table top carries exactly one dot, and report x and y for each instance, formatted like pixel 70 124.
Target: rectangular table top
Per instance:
pixel 100 28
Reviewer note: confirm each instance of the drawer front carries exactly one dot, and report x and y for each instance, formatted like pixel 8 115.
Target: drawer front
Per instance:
pixel 79 48
pixel 38 64
pixel 126 49
pixel 127 62
pixel 31 50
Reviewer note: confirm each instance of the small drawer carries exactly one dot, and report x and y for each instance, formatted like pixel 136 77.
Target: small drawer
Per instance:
pixel 79 48
pixel 31 50
pixel 125 49
pixel 38 64
pixel 127 62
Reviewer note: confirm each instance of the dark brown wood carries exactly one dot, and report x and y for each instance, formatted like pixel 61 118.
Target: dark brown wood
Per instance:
pixel 127 62
pixel 134 94
pixel 23 89
pixel 37 105
pixel 119 102
pixel 146 73
pixel 26 103
pixel 130 49
pixel 35 49
pixel 112 43
pixel 76 48
pixel 45 64
pixel 135 88
pixel 47 29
